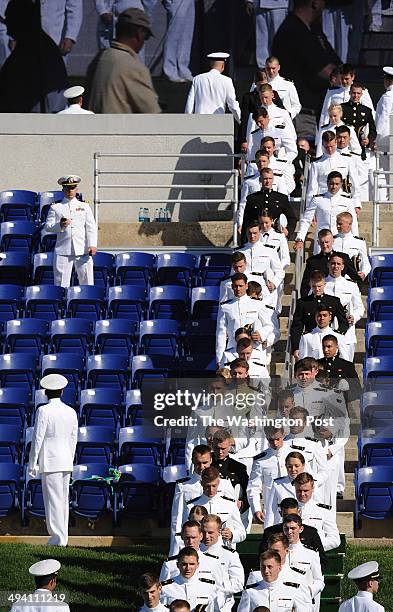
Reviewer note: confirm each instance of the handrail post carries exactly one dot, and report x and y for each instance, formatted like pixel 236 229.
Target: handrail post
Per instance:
pixel 96 173
pixel 235 205
pixel 375 232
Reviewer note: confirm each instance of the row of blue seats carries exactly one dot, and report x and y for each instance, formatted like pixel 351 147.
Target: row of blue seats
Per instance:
pixel 123 302
pixel 23 204
pixel 133 268
pixel 151 337
pixel 102 444
pixel 142 491
pixel 98 406
pixel 111 371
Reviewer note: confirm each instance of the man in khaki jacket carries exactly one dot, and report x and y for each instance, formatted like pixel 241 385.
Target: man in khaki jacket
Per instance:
pixel 120 82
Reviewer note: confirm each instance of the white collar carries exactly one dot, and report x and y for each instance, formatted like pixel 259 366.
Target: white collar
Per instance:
pixel 344 236
pixel 365 595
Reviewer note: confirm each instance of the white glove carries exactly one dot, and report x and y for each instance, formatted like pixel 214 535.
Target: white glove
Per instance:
pixel 34 472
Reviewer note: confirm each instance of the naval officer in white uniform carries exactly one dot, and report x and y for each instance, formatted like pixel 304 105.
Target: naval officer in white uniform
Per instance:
pixel 62 20
pixel 76 229
pixel 211 92
pixel 45 577
pixel 74 97
pixel 52 454
pixel 366 577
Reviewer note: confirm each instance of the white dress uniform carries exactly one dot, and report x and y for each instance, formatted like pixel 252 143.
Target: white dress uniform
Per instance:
pixel 280 243
pixel 382 119
pixel 325 209
pixel 313 453
pixel 361 168
pixel 226 508
pixel 226 292
pixel 257 367
pixel 263 260
pixel 363 601
pixel 238 313
pixel 209 567
pixel 196 590
pixel 321 168
pixel 340 95
pixel 53 448
pixel 354 144
pixel 266 467
pixel 286 168
pixel 311 343
pixel 75 109
pixel 319 516
pixel 210 94
pixel 48 599
pixel 278 595
pixel 284 138
pixel 269 15
pixel 72 242
pixel 350 298
pixel 61 18
pixel 288 93
pixel 186 489
pixel 159 608
pixel 232 568
pixel 305 559
pixel 318 400
pixel 355 247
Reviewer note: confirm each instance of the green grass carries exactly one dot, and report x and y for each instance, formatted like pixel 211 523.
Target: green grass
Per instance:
pixel 105 578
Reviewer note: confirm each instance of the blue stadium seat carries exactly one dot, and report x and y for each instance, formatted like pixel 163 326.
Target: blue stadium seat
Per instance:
pixel 18 370
pixel 11 301
pixel 10 443
pixel 103 269
pixel 32 499
pixel 381 270
pixel 21 236
pixel 133 408
pixel 10 477
pixel 379 338
pixel 101 407
pixel 204 303
pixel 71 336
pixel 107 371
pixel 90 497
pixel 137 493
pixel 47 241
pixel 375 447
pixel 14 405
pixel 172 473
pixel 45 201
pixel 373 493
pixel 168 302
pixel 15 268
pixel 86 302
pixel 380 303
pixel 127 302
pixel 153 368
pixel 378 370
pixel 44 302
pixel 177 448
pixel 95 444
pixel 26 336
pixel 134 268
pixel 159 337
pixel 17 204
pixel 43 269
pixel 197 366
pixel 376 409
pixel 70 365
pixel 175 269
pixel 213 268
pixel 200 338
pixel 115 336
pixel 136 447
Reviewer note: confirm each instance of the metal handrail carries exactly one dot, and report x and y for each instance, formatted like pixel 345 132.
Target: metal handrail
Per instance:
pixel 376 201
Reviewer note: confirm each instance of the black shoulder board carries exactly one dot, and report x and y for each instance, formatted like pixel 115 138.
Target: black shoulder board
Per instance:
pixel 354 153
pixel 297 569
pixel 226 302
pixel 279 478
pixel 326 125
pixel 227 498
pixel 185 479
pixel 268 305
pixel 277 173
pixel 251 586
pixel 210 555
pixel 296 585
pixel 207 580
pixel 250 177
pixel 346 154
pixel 325 506
pixel 359 238
pixel 260 456
pixel 270 246
pixel 253 297
pixel 258 363
pixel 257 273
pixel 283 161
pixel 165 582
pixel 345 195
pixel 58 202
pixel 193 500
pixel 309 547
pixel 311 439
pixel 317 158
pixel 255 131
pixel 178 533
pixel 300 448
pixel 229 548
pixel 281 127
pixel 324 389
pixel 172 558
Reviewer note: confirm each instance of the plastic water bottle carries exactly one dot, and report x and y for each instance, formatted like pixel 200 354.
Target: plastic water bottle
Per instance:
pixel 156 215
pixel 160 216
pixel 146 214
pixel 168 215
pixel 141 215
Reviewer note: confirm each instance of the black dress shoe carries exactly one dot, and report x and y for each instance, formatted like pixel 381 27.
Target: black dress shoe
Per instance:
pixel 339 495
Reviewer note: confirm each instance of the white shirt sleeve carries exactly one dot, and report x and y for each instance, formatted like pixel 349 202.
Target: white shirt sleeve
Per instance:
pixel 190 100
pixel 73 19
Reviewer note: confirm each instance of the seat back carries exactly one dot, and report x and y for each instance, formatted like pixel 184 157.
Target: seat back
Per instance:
pixel 380 303
pixel 11 297
pixel 44 302
pixel 200 338
pixel 13 406
pixel 107 371
pixel 136 447
pixel 17 204
pixel 18 236
pixel 45 201
pixel 159 337
pixel 17 370
pixel 137 492
pixel 15 268
pixel 103 269
pixel 10 443
pixel 374 492
pixel 213 268
pixel 26 336
pixel 134 268
pixel 169 302
pixel 379 338
pixel 101 407
pixel 43 269
pixel 71 336
pixel 115 336
pixel 127 302
pixel 205 302
pixel 381 270
pixel 86 302
pixel 175 269
pixel 10 476
pixel 90 498
pixel 70 365
pixel 95 444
